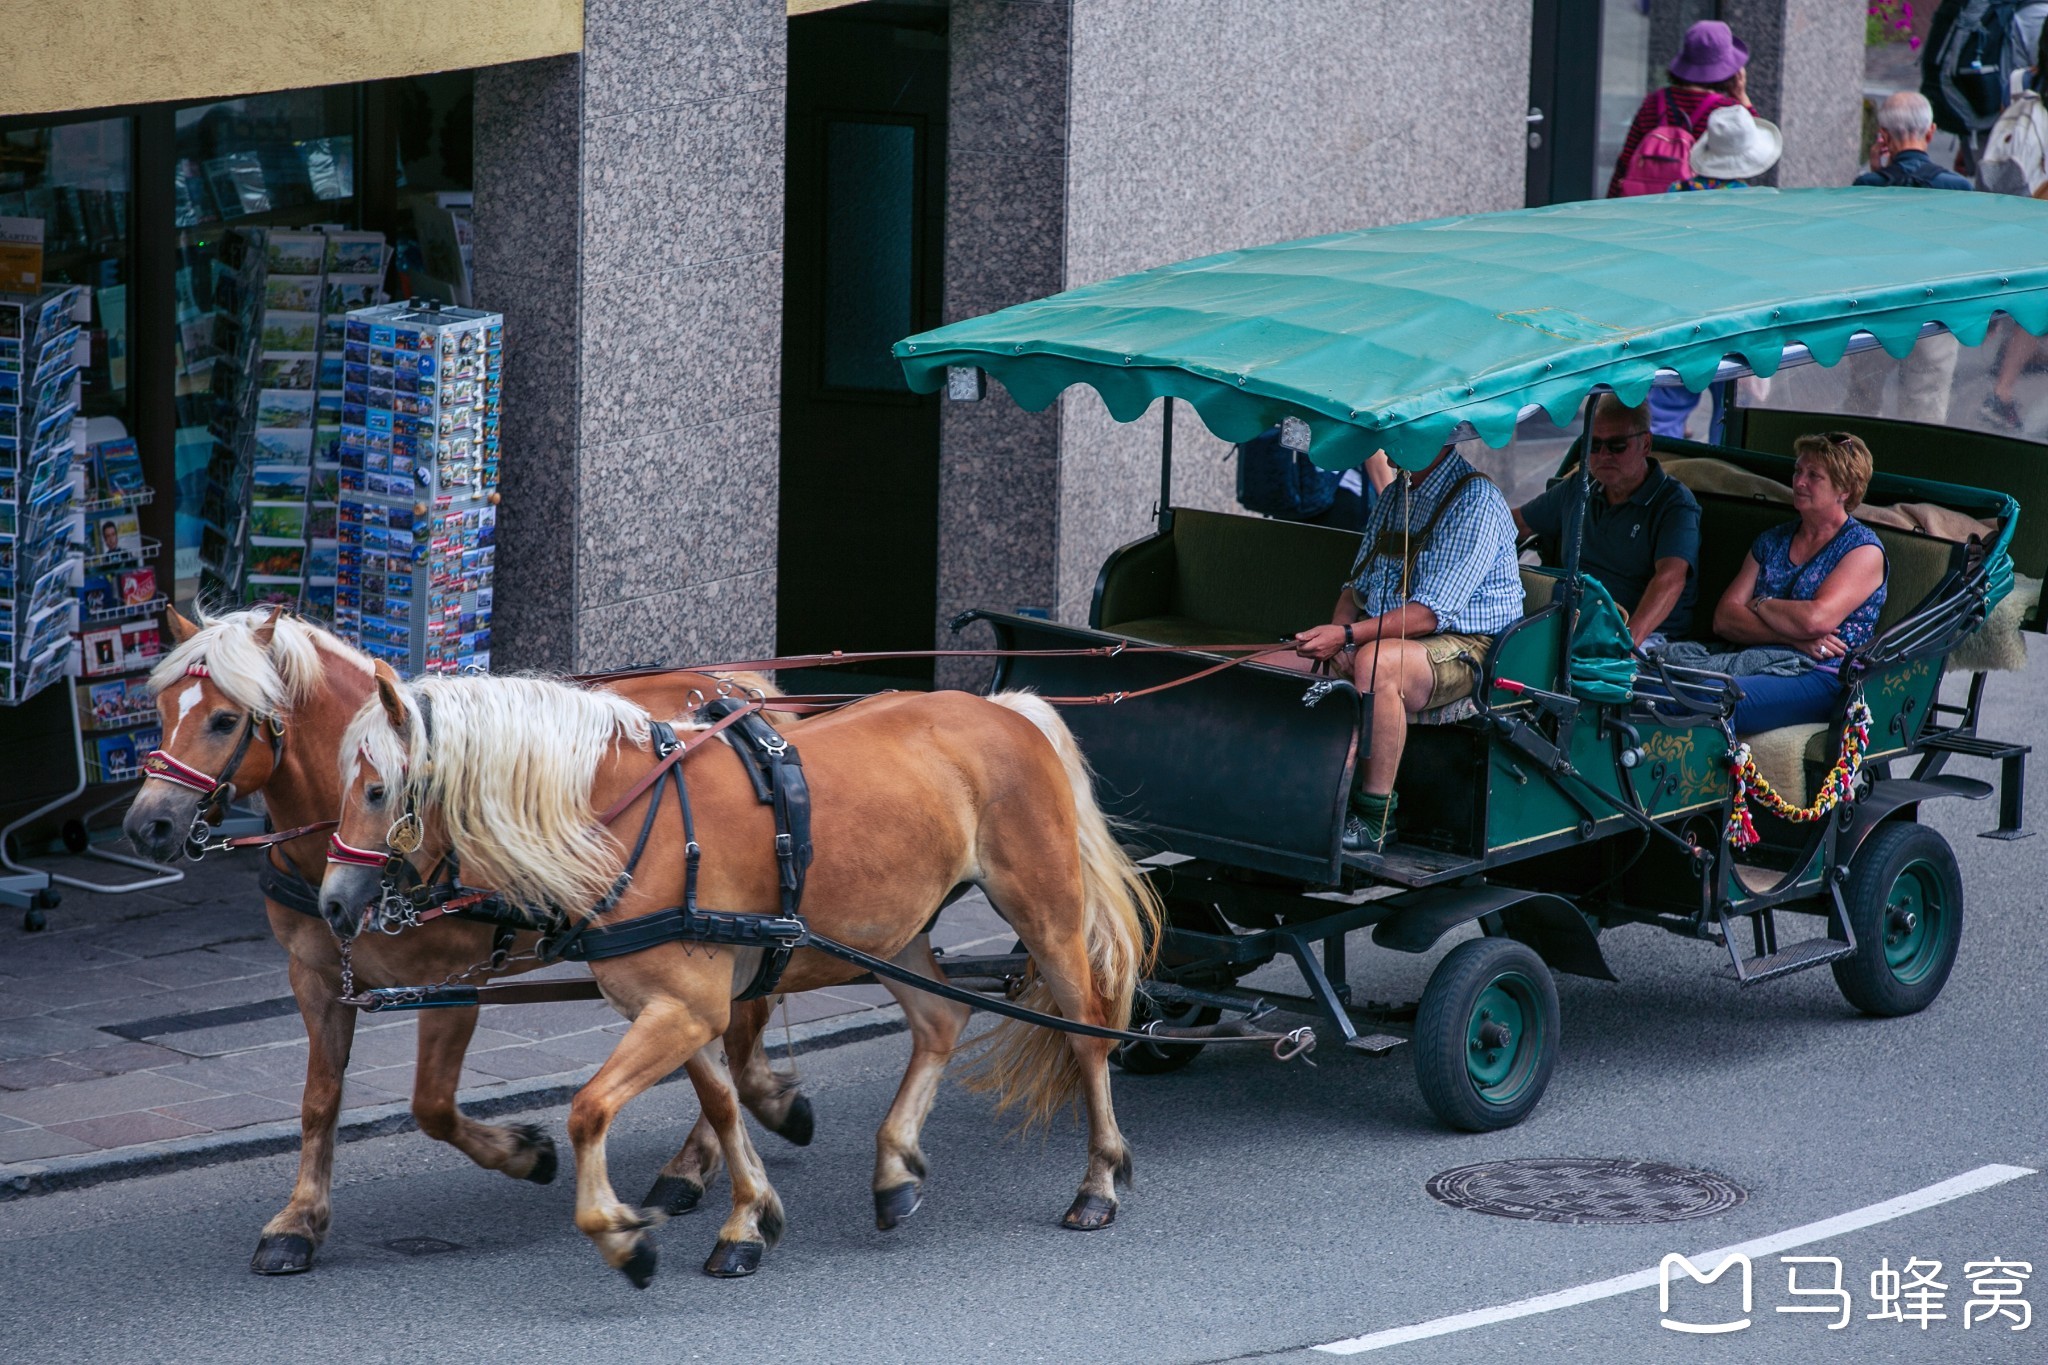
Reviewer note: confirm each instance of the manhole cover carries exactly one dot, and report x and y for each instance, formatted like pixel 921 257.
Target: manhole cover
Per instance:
pixel 1586 1190
pixel 421 1246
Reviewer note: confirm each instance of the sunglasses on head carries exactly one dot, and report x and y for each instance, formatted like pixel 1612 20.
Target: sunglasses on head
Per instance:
pixel 1617 445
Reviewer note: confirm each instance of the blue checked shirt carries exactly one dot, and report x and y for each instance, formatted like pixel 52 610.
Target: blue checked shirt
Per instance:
pixel 1467 575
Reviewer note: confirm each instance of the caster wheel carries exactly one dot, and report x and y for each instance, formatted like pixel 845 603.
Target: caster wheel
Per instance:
pixel 75 839
pixel 33 921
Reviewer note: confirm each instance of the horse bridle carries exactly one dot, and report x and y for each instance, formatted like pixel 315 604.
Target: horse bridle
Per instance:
pixel 213 791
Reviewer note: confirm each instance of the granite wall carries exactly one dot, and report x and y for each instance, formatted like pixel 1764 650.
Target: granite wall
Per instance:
pixel 1806 75
pixel 1006 195
pixel 1240 124
pixel 629 226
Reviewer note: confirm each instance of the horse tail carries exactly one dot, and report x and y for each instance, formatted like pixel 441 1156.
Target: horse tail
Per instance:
pixel 1033 1068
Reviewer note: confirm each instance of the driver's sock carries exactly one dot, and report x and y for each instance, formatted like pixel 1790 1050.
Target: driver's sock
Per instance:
pixel 1376 813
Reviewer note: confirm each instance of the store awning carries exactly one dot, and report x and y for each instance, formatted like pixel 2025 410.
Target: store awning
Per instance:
pixel 1405 337
pixel 69 54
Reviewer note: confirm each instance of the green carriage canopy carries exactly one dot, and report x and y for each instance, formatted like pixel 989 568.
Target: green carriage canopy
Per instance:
pixel 1393 337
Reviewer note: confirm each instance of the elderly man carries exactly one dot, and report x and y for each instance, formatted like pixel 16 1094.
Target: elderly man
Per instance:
pixel 1898 158
pixel 1642 530
pixel 1434 582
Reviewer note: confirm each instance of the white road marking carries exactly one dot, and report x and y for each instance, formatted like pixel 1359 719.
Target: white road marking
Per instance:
pixel 1968 1183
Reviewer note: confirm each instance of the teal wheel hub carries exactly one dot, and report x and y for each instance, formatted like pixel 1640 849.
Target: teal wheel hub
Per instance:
pixel 1503 1037
pixel 1915 915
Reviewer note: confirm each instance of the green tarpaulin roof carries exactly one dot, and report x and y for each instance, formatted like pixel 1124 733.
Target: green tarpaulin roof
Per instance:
pixel 1391 337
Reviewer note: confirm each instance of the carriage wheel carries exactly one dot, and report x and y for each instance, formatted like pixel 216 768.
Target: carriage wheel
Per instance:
pixel 1486 1035
pixel 1156 1059
pixel 1905 901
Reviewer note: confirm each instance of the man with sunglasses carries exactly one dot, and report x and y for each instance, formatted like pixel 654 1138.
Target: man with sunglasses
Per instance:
pixel 1642 536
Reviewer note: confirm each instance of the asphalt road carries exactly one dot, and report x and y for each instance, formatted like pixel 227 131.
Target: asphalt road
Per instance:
pixel 1277 1208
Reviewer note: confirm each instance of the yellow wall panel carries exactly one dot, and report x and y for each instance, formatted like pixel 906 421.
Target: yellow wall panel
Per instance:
pixel 82 54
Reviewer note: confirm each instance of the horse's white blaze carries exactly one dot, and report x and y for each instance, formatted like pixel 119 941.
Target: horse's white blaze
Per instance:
pixel 187 699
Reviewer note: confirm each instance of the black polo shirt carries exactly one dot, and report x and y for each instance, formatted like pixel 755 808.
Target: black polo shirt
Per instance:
pixel 1661 520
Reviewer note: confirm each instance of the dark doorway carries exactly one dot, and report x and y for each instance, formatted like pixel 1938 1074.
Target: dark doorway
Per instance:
pixel 862 252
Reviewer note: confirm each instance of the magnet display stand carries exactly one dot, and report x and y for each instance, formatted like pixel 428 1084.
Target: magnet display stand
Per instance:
pixel 418 514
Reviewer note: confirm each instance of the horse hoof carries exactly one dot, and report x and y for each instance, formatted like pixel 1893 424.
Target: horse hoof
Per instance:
pixel 545 1162
pixel 674 1195
pixel 733 1260
pixel 897 1203
pixel 639 1267
pixel 799 1124
pixel 282 1253
pixel 1089 1212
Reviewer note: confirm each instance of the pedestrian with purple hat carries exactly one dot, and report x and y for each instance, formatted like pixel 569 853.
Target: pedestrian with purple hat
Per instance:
pixel 1709 73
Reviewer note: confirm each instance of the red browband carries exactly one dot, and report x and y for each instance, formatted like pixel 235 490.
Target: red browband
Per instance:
pixel 160 764
pixel 349 854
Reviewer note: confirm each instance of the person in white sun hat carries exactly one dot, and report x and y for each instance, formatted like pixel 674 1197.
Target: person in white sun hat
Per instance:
pixel 1738 147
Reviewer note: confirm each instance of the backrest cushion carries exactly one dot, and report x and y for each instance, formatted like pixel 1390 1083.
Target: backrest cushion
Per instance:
pixel 1252 574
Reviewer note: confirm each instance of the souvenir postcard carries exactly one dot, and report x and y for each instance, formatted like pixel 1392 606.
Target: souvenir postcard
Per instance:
pixel 284 408
pixel 294 293
pixel 137 587
pixel 323 561
pixel 283 444
pixel 291 331
pixel 116 533
pixel 276 560
pixel 120 468
pixel 286 371
pixel 106 702
pixel 99 593
pixel 331 368
pixel 115 757
pixel 100 651
pixel 140 644
pixel 273 588
pixel 327 444
pixel 325 484
pixel 279 483
pixel 320 521
pixel 295 253
pixel 355 253
pixel 345 293
pixel 277 521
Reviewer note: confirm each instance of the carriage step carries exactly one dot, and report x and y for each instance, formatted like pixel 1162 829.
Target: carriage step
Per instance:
pixel 1375 1044
pixel 1797 958
pixel 1973 746
pixel 2012 776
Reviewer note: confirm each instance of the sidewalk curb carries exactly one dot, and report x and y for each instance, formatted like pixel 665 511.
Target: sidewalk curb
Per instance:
pixel 28 1179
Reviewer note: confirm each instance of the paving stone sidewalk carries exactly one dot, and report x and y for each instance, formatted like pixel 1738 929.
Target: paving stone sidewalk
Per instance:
pixel 165 1016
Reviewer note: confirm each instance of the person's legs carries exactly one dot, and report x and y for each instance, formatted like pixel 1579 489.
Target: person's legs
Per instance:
pixel 1926 377
pixel 1668 410
pixel 1398 677
pixel 1770 702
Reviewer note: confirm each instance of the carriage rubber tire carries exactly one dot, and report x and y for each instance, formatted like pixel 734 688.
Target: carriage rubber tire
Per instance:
pixel 1156 1059
pixel 1482 983
pixel 1904 901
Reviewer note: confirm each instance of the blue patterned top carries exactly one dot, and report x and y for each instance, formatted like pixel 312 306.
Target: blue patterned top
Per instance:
pixel 1778 577
pixel 1466 574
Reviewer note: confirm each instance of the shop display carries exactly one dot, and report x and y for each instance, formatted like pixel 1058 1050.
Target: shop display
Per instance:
pixel 418 502
pixel 120 602
pixel 43 345
pixel 269 513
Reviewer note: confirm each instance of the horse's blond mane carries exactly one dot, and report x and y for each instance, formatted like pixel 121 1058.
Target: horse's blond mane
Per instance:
pixel 268 681
pixel 509 768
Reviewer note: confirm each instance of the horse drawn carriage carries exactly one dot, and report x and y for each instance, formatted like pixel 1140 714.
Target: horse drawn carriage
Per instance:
pixel 1579 789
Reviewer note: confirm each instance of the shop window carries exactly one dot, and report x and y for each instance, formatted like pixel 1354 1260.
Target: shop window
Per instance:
pixel 870 215
pixel 76 180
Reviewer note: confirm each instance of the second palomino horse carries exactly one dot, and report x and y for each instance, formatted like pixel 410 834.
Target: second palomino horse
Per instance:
pixel 912 796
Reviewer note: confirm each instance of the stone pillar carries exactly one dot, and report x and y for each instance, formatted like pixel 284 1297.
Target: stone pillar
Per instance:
pixel 1806 75
pixel 629 226
pixel 1006 186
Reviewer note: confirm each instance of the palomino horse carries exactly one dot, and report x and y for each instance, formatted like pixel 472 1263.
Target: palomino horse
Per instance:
pixel 282 692
pixel 915 794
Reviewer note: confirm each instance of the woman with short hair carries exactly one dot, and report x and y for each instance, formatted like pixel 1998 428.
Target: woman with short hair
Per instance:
pixel 1814 585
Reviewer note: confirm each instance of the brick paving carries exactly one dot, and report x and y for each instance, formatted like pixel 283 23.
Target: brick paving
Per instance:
pixel 77 1080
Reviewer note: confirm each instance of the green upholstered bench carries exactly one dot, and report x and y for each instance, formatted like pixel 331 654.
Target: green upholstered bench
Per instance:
pixel 1218 578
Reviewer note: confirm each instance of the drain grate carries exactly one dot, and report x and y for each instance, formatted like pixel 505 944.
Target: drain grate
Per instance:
pixel 1586 1190
pixel 420 1246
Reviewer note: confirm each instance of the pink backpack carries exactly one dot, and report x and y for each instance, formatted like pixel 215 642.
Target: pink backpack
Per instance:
pixel 1663 157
